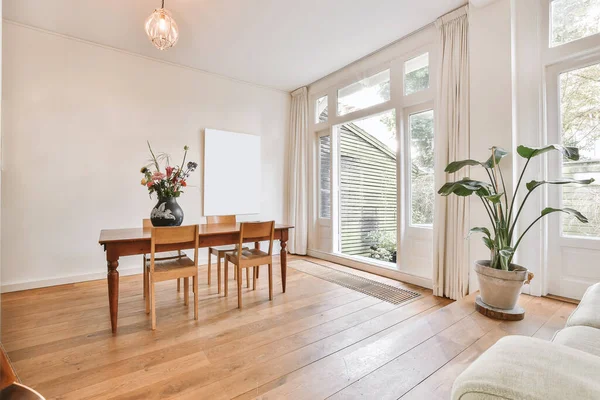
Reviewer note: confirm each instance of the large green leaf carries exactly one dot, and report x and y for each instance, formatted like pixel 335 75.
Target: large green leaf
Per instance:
pixel 499 154
pixel 484 191
pixel 564 181
pixel 464 187
pixel 458 165
pixel 571 153
pixel 570 211
pixel 483 230
pixel 489 243
pixel 506 254
pixel 494 198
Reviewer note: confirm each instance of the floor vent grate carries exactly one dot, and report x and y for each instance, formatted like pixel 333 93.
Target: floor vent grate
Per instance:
pixel 367 286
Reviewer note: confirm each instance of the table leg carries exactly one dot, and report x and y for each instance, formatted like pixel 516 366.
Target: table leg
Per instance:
pixel 257 247
pixel 112 278
pixel 283 256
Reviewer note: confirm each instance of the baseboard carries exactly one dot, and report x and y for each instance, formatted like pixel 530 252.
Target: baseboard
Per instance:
pixel 127 268
pixel 65 280
pixel 385 272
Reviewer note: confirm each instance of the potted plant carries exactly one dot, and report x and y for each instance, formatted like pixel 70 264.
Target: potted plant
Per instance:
pixel 168 187
pixel 500 280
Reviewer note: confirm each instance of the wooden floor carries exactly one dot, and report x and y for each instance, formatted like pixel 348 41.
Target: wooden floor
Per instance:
pixel 318 340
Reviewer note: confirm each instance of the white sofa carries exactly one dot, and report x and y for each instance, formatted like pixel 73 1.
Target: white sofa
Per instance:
pixel 519 367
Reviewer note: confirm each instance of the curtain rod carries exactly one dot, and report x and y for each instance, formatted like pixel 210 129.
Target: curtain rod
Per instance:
pixel 384 47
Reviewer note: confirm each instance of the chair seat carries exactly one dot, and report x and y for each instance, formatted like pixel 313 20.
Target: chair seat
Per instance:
pixel 248 254
pixel 163 256
pixel 172 263
pixel 173 268
pixel 16 391
pixel 221 250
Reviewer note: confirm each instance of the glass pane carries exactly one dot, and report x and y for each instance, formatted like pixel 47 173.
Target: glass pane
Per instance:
pixel 416 74
pixel 580 120
pixel 363 94
pixel 368 204
pixel 573 19
pixel 321 110
pixel 325 176
pixel 422 191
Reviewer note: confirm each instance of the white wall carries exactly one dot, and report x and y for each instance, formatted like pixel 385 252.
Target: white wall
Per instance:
pixel 0 153
pixel 491 103
pixel 76 120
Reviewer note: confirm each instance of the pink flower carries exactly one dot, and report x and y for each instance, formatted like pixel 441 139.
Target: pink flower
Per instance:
pixel 149 184
pixel 157 176
pixel 169 171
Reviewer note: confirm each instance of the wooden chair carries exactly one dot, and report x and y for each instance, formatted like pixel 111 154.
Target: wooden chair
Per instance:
pixel 172 268
pixel 220 251
pixel 244 258
pixel 147 224
pixel 10 387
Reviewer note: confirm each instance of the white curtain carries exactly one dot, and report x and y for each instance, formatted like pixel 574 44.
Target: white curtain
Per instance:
pixel 298 183
pixel 451 222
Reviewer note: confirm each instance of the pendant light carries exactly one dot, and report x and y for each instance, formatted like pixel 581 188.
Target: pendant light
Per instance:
pixel 162 29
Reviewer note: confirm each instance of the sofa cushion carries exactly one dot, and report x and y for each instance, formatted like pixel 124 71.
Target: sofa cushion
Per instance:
pixel 583 338
pixel 587 312
pixel 519 367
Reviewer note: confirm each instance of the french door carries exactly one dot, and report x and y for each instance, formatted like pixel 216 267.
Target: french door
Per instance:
pixel 573 110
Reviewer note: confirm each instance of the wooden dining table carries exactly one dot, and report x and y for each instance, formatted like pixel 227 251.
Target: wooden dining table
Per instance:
pixel 136 241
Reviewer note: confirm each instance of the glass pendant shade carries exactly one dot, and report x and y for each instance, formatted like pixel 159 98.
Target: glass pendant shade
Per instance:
pixel 162 29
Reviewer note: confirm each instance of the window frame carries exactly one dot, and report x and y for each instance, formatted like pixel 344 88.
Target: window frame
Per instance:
pixel 554 133
pixel 373 106
pixel 563 52
pixel 320 134
pixel 420 108
pixel 315 116
pixel 326 232
pixel 404 74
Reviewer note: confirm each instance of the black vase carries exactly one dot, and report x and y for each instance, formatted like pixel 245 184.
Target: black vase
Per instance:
pixel 166 213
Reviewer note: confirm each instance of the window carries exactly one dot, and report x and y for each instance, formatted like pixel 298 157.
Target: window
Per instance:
pixel 573 19
pixel 365 93
pixel 325 176
pixel 416 74
pixel 422 191
pixel 580 127
pixel 321 110
pixel 367 185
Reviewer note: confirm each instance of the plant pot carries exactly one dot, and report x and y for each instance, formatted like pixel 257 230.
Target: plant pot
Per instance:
pixel 167 213
pixel 498 288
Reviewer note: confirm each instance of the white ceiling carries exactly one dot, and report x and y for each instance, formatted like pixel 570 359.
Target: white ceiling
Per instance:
pixel 283 44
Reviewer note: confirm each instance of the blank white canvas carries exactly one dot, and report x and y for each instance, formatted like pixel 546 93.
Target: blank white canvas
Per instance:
pixel 232 171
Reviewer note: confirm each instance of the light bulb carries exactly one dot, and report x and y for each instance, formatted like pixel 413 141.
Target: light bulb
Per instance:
pixel 162 29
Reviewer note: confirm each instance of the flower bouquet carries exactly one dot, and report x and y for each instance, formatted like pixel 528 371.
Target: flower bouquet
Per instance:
pixel 167 185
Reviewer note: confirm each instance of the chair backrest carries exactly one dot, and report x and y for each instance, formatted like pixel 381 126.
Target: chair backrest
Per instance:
pixel 146 223
pixel 174 235
pixel 221 219
pixel 257 231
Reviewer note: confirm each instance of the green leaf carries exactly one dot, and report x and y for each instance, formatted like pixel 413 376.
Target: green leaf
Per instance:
pixel 564 181
pixel 570 153
pixel 464 187
pixel 494 198
pixel 484 191
pixel 483 230
pixel 506 254
pixel 458 165
pixel 570 211
pixel 489 243
pixel 499 154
